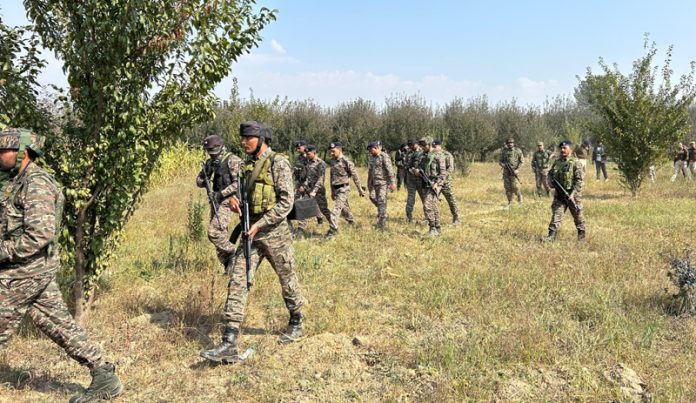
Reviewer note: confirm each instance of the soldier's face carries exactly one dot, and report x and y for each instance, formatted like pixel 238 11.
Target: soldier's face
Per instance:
pixel 426 147
pixel 8 159
pixel 249 144
pixel 311 154
pixel 335 152
pixel 414 147
pixel 374 151
pixel 540 148
pixel 566 150
pixel 301 149
pixel 509 145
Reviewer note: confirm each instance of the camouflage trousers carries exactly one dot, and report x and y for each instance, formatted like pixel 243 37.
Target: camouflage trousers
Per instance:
pixel 448 193
pixel 558 209
pixel 683 167
pixel 512 186
pixel 323 204
pixel 414 185
pixel 218 232
pixel 400 177
pixel 542 184
pixel 40 298
pixel 341 208
pixel 581 163
pixel 431 208
pixel 378 197
pixel 274 244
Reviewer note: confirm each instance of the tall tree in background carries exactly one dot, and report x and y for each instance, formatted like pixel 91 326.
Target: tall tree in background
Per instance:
pixel 139 73
pixel 643 122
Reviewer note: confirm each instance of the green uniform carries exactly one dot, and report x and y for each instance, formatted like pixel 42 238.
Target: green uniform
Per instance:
pixel 571 177
pixel 540 167
pixel 511 160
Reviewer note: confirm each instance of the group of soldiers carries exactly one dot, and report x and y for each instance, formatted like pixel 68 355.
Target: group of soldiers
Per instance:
pixel 684 159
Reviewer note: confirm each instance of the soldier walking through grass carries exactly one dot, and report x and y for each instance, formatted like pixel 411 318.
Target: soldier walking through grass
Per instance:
pixel 511 160
pixel 342 171
pixel 432 172
pixel 447 190
pixel 267 177
pixel 218 171
pixel 380 180
pixel 31 205
pixel 567 179
pixel 413 183
pixel 540 168
pixel 313 186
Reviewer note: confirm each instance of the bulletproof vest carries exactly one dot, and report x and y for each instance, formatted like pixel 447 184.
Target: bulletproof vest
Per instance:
pixel 563 172
pixel 508 154
pixel 427 165
pixel 262 193
pixel 222 177
pixel 541 159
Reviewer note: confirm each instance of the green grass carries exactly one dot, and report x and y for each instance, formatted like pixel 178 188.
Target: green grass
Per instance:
pixel 485 312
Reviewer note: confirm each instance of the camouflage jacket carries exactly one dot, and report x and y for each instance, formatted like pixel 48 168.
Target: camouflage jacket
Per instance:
pixel 342 170
pixel 220 180
pixel 568 174
pixel 540 160
pixel 32 206
pixel 379 170
pixel 449 163
pixel 300 169
pixel 434 166
pixel 582 151
pixel 316 169
pixel 512 157
pixel 400 158
pixel 414 158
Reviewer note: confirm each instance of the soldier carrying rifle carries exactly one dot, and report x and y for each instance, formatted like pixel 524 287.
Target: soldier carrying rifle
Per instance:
pixel 566 177
pixel 511 160
pixel 432 170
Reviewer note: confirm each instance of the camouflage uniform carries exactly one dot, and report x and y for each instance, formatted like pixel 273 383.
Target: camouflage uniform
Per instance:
pixel 511 158
pixel 380 176
pixel 447 189
pixel 342 170
pixel 571 176
pixel 414 184
pixel 273 241
pixel 31 205
pixel 681 164
pixel 540 167
pixel 223 172
pixel 299 173
pixel 692 159
pixel 314 185
pixel 400 158
pixel 432 164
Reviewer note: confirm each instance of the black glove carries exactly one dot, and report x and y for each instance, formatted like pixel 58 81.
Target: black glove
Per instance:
pixel 217 196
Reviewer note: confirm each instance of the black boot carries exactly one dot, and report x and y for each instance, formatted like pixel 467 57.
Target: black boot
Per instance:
pixel 105 385
pixel 225 352
pixel 551 237
pixel 581 235
pixel 293 331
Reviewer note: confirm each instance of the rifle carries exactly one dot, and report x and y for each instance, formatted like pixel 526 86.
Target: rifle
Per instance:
pixel 565 194
pixel 245 225
pixel 512 171
pixel 426 180
pixel 209 191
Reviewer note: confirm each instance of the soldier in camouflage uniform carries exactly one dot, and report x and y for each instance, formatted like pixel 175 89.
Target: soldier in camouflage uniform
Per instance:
pixel 447 190
pixel 342 171
pixel 31 205
pixel 433 167
pixel 511 160
pixel 540 168
pixel 268 178
pixel 400 158
pixel 219 170
pixel 567 179
pixel 314 185
pixel 414 184
pixel 300 177
pixel 380 179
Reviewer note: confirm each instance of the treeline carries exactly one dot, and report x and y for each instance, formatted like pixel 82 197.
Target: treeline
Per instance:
pixel 473 129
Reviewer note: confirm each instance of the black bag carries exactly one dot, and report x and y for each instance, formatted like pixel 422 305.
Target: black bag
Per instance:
pixel 304 208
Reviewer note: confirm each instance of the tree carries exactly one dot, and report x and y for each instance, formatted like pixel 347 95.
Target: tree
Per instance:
pixel 355 123
pixel 470 128
pixel 643 122
pixel 139 74
pixel 406 117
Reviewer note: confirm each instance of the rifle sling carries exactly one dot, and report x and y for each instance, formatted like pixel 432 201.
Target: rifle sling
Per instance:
pixel 255 173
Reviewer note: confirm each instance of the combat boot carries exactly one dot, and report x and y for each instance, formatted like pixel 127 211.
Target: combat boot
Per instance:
pixel 551 237
pixel 293 331
pixel 105 385
pixel 381 224
pixel 409 219
pixel 455 221
pixel 330 234
pixel 433 233
pixel 581 235
pixel 226 351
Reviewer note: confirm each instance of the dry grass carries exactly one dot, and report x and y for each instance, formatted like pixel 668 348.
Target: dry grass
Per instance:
pixel 485 313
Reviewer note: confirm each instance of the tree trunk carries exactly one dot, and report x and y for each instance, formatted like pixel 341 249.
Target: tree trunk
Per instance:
pixel 80 263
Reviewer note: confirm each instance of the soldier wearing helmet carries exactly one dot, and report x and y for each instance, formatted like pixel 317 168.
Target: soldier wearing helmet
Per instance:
pixel 31 205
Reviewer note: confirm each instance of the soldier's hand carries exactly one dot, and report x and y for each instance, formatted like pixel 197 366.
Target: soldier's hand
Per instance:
pixel 234 205
pixel 253 231
pixel 312 194
pixel 392 187
pixel 301 189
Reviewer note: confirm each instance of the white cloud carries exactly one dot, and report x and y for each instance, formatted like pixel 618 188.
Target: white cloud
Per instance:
pixel 277 47
pixel 530 84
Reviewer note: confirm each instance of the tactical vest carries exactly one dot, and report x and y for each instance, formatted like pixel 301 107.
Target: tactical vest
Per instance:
pixel 563 172
pixel 12 224
pixel 262 192
pixel 427 165
pixel 222 177
pixel 508 154
pixel 541 159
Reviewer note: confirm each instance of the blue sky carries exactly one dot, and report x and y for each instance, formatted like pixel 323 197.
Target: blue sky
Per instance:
pixel 528 50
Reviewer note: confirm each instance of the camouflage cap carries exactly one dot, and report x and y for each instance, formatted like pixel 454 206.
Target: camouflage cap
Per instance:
pixel 541 143
pixel 426 140
pixel 13 139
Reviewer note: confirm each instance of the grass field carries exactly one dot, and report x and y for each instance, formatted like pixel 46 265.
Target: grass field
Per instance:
pixel 484 313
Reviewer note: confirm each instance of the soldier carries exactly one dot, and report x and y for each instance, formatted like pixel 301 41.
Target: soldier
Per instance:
pixel 567 179
pixel 599 158
pixel 681 157
pixel 219 170
pixel 447 190
pixel 268 177
pixel 300 175
pixel 400 157
pixel 431 172
pixel 314 185
pixel 413 183
pixel 380 177
pixel 540 167
pixel 31 206
pixel 342 170
pixel 511 160
pixel 692 158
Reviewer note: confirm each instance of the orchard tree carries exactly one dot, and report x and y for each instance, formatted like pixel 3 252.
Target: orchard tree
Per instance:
pixel 470 128
pixel 406 117
pixel 139 72
pixel 355 123
pixel 639 122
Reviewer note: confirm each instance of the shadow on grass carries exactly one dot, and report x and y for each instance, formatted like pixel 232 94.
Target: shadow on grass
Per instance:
pixel 661 302
pixel 19 379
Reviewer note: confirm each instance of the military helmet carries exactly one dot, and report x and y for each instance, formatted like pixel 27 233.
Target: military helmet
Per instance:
pixel 213 144
pixel 253 128
pixel 19 139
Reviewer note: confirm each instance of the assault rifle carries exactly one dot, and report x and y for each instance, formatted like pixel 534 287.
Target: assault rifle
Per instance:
pixel 209 191
pixel 426 180
pixel 245 225
pixel 564 192
pixel 512 171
